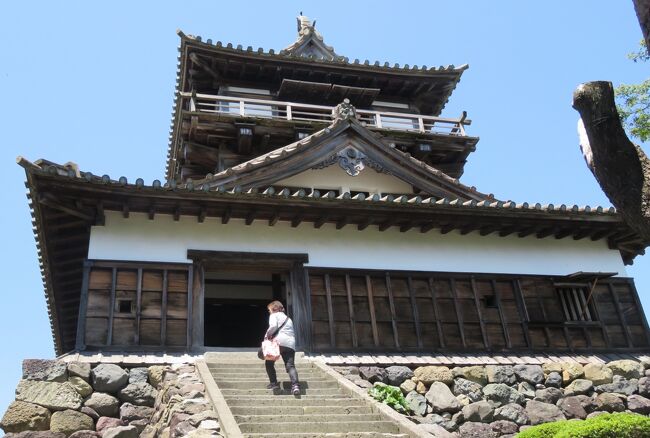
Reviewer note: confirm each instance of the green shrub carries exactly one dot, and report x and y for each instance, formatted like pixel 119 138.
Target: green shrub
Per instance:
pixel 546 430
pixel 390 395
pixel 619 425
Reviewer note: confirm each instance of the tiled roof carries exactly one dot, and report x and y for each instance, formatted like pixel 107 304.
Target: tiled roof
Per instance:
pixel 338 126
pixel 374 66
pixel 280 192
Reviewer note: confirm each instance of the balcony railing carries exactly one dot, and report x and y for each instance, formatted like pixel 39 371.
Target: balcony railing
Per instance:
pixel 301 112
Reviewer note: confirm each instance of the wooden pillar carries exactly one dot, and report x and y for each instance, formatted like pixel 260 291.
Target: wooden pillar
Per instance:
pixel 111 308
pixel 198 303
pixel 301 306
pixel 188 315
pixel 80 341
pixel 138 307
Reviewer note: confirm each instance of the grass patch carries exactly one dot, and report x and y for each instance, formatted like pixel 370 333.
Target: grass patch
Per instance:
pixel 618 425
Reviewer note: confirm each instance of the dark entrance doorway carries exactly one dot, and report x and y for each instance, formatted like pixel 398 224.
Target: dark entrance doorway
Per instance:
pixel 235 306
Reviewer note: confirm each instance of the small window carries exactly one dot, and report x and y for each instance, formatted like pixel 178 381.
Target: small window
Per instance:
pixel 491 302
pixel 576 303
pixel 124 306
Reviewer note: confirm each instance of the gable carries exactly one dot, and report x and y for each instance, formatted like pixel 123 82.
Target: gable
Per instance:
pixel 335 178
pixel 350 146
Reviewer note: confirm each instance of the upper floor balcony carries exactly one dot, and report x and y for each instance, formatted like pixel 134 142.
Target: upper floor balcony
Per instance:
pixel 241 107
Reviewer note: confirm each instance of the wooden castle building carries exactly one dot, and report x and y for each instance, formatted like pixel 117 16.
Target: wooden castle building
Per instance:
pixel 332 185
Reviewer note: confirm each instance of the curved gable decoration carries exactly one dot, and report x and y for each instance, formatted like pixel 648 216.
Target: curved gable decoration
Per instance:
pixel 310 42
pixel 351 146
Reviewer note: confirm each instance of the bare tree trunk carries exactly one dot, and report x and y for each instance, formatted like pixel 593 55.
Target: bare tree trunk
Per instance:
pixel 642 8
pixel 621 168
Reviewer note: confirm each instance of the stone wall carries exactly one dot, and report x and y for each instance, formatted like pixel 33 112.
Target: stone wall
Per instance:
pixel 501 400
pixel 55 399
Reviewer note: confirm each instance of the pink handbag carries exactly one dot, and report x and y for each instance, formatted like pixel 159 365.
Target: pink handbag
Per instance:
pixel 271 349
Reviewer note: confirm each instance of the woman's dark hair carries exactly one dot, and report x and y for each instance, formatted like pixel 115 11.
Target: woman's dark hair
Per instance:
pixel 276 306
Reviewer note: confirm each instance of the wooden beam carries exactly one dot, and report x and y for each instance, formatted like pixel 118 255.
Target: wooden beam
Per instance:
pixel 488 229
pixel 406 226
pixel 51 201
pixel 353 329
pixel 125 210
pixel 364 224
pixel 138 307
pixel 80 341
pixel 414 308
pixel 190 301
pixel 100 218
pixel 459 316
pixel 297 220
pixel 111 309
pixel 250 217
pixel 523 312
pixel 202 215
pixel 446 228
pixel 621 315
pixel 481 321
pixel 163 311
pixel 504 323
pixel 371 306
pixel 274 219
pixel 330 311
pixel 602 234
pixel 581 234
pixel 564 233
pixel 152 212
pixel 545 232
pixel 427 227
pixel 527 231
pixel 386 225
pixel 342 222
pixel 393 313
pixel 507 231
pixel 227 213
pixel 321 221
pixel 434 302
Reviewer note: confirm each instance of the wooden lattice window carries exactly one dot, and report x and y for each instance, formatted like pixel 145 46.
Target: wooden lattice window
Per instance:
pixel 576 303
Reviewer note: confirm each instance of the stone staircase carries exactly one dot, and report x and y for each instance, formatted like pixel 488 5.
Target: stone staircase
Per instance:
pixel 323 409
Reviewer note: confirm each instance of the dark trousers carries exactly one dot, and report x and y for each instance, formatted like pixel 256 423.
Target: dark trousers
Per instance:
pixel 288 356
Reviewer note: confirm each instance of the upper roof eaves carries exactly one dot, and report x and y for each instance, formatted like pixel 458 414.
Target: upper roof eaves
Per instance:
pixel 338 60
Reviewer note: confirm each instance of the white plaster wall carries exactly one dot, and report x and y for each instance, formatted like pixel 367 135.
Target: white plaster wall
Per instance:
pixel 335 178
pixel 164 240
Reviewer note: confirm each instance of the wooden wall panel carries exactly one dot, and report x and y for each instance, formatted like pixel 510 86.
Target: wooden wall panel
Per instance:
pixel 150 332
pixel 96 330
pixel 130 304
pixel 124 331
pixel 375 310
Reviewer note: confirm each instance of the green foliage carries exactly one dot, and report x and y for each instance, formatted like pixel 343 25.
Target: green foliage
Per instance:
pixel 634 101
pixel 390 395
pixel 546 430
pixel 619 425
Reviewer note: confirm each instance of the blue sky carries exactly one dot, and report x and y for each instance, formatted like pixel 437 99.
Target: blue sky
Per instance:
pixel 92 82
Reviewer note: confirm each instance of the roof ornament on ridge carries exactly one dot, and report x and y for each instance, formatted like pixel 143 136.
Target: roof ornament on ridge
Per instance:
pixel 344 111
pixel 310 42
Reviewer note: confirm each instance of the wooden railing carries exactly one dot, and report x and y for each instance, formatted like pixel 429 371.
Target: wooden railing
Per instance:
pixel 302 112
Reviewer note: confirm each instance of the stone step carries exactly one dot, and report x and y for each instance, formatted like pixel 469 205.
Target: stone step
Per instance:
pixel 238 368
pixel 261 373
pixel 316 418
pixel 230 392
pixel 290 400
pixel 264 378
pixel 327 435
pixel 261 384
pixel 326 408
pixel 320 427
